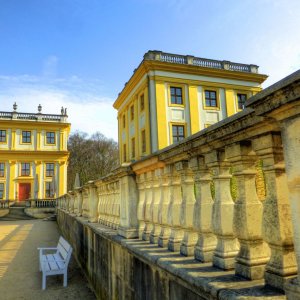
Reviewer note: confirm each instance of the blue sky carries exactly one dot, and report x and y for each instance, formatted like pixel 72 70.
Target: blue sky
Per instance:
pixel 79 53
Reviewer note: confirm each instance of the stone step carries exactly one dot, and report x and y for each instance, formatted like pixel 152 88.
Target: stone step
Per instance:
pixel 16 213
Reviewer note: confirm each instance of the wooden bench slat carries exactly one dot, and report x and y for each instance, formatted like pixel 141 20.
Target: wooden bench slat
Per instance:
pixel 65 244
pixel 62 251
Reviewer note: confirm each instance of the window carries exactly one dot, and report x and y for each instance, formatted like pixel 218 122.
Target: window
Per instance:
pixel 142 102
pixel 211 98
pixel 124 153
pixel 48 190
pixel 176 95
pixel 124 121
pixel 132 113
pixel 3 136
pixel 1 190
pixel 133 148
pixel 177 133
pixel 143 141
pixel 241 98
pixel 50 137
pixel 25 169
pixel 49 169
pixel 1 169
pixel 26 136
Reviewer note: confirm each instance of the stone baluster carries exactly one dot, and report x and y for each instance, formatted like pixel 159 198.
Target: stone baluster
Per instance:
pixel 93 202
pixel 207 241
pixel 78 202
pixel 105 203
pixel 148 200
pixel 117 204
pixel 141 203
pixel 223 208
pixel 164 207
pixel 176 234
pixel 189 240
pixel 71 202
pixel 85 202
pixel 100 201
pixel 156 196
pixel 277 226
pixel 248 212
pixel 110 190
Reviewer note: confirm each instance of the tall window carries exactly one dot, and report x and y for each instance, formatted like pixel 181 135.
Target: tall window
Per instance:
pixel 3 136
pixel 124 121
pixel 25 169
pixel 133 148
pixel 49 169
pixel 48 192
pixel 211 98
pixel 142 102
pixel 143 141
pixel 124 153
pixel 176 95
pixel 26 136
pixel 132 113
pixel 1 190
pixel 241 100
pixel 50 137
pixel 2 166
pixel 177 133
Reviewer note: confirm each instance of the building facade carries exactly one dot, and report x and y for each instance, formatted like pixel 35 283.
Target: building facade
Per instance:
pixel 170 97
pixel 33 155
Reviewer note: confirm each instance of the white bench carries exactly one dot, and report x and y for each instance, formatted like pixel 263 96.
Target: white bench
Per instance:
pixel 55 263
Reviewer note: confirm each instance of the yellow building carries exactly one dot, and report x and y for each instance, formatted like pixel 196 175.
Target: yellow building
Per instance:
pixel 170 97
pixel 33 155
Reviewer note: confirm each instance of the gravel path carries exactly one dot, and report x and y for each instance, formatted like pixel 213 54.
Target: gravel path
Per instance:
pixel 19 274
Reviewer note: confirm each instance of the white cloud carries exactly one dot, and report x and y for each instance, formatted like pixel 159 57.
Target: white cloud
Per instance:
pixel 88 111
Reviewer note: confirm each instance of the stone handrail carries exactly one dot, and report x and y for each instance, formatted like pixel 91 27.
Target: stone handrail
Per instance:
pixel 198 61
pixel 228 194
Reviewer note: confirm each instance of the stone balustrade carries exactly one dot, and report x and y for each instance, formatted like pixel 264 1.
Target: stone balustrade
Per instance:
pixel 203 196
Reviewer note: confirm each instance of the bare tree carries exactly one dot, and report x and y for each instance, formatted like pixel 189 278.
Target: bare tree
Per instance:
pixel 91 157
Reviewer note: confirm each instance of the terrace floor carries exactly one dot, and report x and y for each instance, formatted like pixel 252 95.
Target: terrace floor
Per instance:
pixel 19 274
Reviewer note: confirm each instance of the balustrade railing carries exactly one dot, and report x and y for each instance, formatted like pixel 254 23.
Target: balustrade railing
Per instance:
pixel 31 116
pixel 4 204
pixel 41 203
pixel 201 62
pixel 202 196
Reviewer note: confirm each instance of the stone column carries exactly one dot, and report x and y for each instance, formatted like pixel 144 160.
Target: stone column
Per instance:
pixel 148 200
pixel 156 196
pixel 164 207
pixel 116 205
pixel 128 227
pixel 277 226
pixel 93 202
pixel 207 241
pixel 141 204
pixel 78 202
pixel 100 188
pixel 70 208
pixel 223 208
pixel 176 234
pixel 248 213
pixel 189 240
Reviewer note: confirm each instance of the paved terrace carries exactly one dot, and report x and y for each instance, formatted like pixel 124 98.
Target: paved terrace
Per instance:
pixel 19 274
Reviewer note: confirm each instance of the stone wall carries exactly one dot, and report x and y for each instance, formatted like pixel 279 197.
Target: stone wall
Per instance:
pixel 119 268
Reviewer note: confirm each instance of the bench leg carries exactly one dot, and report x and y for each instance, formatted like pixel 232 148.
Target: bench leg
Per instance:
pixel 65 279
pixel 44 281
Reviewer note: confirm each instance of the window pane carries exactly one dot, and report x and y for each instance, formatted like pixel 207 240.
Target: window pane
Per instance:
pixel 179 91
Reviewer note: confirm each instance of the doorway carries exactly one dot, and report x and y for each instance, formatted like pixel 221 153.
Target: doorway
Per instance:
pixel 24 191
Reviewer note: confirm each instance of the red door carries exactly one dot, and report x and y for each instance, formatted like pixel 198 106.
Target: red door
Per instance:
pixel 24 191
